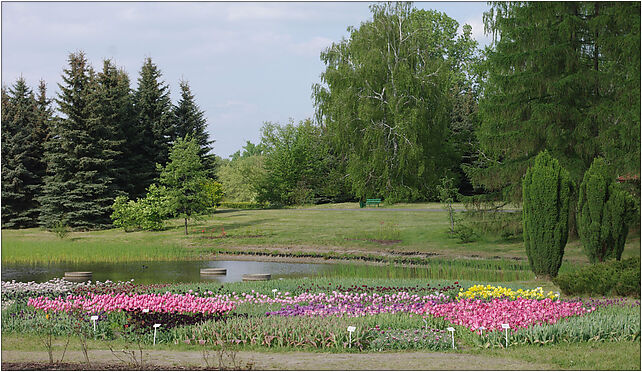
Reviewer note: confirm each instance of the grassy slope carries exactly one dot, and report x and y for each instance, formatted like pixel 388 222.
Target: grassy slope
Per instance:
pixel 289 229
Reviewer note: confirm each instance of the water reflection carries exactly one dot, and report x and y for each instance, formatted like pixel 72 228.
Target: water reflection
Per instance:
pixel 162 272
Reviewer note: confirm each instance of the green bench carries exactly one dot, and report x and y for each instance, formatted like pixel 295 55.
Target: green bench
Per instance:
pixel 370 202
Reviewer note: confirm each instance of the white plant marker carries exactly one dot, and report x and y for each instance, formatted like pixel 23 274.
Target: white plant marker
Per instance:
pixel 145 310
pixel 506 328
pixel 426 323
pixel 452 335
pixel 94 318
pixel 482 329
pixel 155 328
pixel 351 329
pixel 274 292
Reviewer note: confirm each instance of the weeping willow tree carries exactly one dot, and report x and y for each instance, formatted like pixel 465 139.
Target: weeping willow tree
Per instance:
pixel 386 99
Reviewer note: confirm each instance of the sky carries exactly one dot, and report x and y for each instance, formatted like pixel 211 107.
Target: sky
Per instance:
pixel 246 62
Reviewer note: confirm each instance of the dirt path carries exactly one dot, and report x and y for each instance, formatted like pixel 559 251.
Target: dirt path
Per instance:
pixel 301 360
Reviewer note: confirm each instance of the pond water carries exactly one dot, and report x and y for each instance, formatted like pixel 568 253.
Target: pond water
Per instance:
pixel 162 272
pixel 189 271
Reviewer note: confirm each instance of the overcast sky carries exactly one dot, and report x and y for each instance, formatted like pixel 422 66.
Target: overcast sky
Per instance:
pixel 246 62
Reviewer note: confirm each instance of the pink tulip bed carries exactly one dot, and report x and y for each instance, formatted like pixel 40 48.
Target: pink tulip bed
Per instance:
pixel 401 317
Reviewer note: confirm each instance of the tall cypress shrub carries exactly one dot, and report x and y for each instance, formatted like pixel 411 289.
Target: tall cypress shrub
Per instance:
pixel 604 213
pixel 546 189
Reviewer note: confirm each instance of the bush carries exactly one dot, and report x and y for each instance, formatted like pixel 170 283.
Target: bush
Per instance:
pixel 465 233
pixel 242 205
pixel 546 191
pixel 144 214
pixel 604 214
pixel 620 278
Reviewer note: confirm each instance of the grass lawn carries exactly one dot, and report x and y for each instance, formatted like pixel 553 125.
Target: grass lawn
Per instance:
pixel 320 228
pixel 576 356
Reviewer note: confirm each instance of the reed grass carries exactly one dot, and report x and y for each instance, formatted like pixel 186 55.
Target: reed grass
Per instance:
pixel 81 251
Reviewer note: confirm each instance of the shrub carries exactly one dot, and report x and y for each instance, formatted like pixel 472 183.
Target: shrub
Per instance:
pixel 60 229
pixel 604 214
pixel 546 190
pixel 144 214
pixel 614 277
pixel 242 205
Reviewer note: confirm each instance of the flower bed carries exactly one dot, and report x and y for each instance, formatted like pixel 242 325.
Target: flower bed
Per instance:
pixel 519 313
pixel 490 292
pixel 167 302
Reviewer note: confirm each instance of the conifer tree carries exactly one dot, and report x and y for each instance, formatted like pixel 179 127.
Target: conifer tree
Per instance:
pixel 21 157
pixel 114 112
pixel 546 191
pixel 190 120
pixel 78 190
pixel 561 76
pixel 604 214
pixel 153 110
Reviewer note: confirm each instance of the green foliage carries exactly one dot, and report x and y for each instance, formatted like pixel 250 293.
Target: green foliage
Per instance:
pixel 557 77
pixel 465 232
pixel 188 119
pixel 188 190
pixel 386 100
pixel 24 123
pixel 240 176
pixel 546 193
pixel 242 205
pixel 621 278
pixel 605 212
pixel 148 213
pixel 114 111
pixel 212 192
pixel 294 164
pixel 60 229
pixel 79 190
pixel 151 140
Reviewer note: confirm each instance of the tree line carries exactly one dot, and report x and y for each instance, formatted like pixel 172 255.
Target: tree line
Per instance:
pixel 405 101
pixel 104 139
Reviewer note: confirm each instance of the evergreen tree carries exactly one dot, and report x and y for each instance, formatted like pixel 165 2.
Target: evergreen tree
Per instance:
pixel 21 157
pixel 546 191
pixel 561 76
pixel 605 212
pixel 114 114
pixel 190 120
pixel 154 126
pixel 78 189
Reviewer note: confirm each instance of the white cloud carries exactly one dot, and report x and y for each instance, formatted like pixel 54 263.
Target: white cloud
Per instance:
pixel 262 12
pixel 313 46
pixel 477 24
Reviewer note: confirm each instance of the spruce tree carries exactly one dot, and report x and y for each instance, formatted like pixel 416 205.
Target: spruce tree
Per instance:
pixel 78 189
pixel 153 110
pixel 190 120
pixel 21 157
pixel 114 112
pixel 546 192
pixel 605 212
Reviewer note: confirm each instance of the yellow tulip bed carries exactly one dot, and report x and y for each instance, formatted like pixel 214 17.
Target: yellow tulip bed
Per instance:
pixel 489 292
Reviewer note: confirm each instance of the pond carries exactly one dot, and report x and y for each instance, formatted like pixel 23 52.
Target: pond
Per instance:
pixel 161 271
pixel 189 271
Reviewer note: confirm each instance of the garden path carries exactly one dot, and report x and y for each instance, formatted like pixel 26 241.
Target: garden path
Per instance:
pixel 303 360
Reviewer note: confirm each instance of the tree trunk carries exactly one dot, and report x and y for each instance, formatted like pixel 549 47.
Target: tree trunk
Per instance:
pixel 185 225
